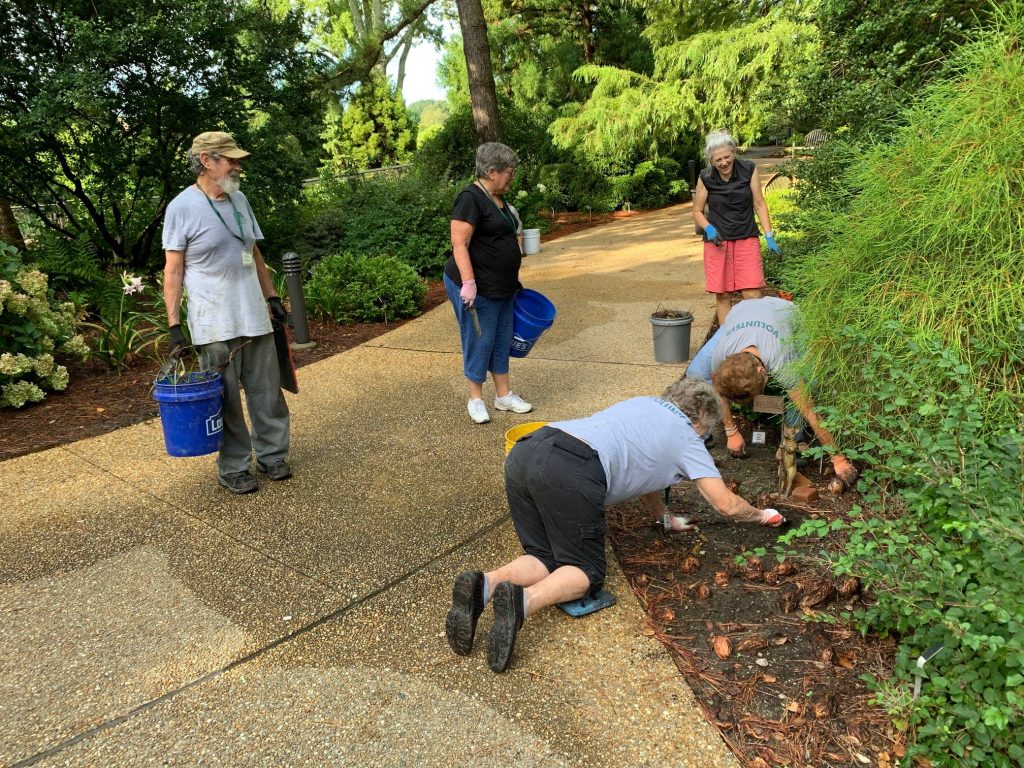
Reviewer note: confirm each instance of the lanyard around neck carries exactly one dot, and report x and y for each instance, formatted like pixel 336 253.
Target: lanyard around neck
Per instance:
pixel 505 214
pixel 238 216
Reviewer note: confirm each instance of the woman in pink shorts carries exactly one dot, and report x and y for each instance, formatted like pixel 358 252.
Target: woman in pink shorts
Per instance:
pixel 731 189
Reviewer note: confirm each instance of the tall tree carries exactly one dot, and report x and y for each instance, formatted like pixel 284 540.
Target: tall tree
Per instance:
pixel 10 232
pixel 99 100
pixel 373 130
pixel 478 63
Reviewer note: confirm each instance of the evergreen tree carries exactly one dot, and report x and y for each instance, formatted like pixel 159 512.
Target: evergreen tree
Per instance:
pixel 372 131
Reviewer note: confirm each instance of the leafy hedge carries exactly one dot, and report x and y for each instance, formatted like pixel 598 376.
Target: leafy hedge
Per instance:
pixel 33 325
pixel 939 543
pixel 406 216
pixel 349 288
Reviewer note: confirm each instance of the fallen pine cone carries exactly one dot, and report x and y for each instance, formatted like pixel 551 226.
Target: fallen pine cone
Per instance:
pixel 722 646
pixel 789 598
pixel 752 643
pixel 818 594
pixel 848 586
pixel 690 564
pixel 786 568
pixel 722 578
pixel 703 591
pixel 729 627
pixel 822 706
pixel 752 570
pixel 836 486
pixel 732 485
pixel 666 614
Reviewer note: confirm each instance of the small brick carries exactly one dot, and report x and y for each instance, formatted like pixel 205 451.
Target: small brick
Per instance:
pixel 805 494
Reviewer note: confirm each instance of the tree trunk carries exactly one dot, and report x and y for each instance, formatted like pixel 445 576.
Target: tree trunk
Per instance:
pixel 10 232
pixel 478 64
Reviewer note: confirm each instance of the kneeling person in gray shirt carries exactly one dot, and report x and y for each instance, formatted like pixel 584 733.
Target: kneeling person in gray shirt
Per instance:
pixel 559 480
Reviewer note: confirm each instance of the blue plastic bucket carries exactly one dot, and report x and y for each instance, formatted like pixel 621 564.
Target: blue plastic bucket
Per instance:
pixel 532 314
pixel 190 412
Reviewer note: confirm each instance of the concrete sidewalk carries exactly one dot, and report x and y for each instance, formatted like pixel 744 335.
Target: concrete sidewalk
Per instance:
pixel 148 617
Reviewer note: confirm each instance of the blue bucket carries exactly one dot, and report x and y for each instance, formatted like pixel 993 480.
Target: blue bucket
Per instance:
pixel 190 412
pixel 532 314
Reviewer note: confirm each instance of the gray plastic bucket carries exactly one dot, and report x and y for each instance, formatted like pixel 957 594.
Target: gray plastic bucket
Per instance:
pixel 671 338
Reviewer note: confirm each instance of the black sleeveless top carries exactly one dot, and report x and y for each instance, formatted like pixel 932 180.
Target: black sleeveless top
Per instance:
pixel 731 203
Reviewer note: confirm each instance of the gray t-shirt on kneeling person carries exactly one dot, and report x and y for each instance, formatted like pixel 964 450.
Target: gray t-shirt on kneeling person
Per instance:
pixel 225 300
pixel 767 324
pixel 645 444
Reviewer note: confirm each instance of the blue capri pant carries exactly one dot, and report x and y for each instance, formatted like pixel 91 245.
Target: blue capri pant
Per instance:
pixel 489 350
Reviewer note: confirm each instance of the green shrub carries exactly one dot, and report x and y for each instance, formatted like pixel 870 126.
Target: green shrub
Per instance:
pixel 942 547
pixel 136 328
pixel 926 229
pixel 651 184
pixel 365 289
pixel 32 327
pixel 406 216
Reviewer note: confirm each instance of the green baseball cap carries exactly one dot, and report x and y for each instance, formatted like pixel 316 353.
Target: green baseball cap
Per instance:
pixel 220 143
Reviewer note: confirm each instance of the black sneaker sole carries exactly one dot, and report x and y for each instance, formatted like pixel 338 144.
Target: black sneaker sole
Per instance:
pixel 276 476
pixel 239 491
pixel 506 627
pixel 460 624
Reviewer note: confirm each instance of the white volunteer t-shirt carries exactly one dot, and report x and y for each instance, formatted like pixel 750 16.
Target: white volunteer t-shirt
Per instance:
pixel 225 300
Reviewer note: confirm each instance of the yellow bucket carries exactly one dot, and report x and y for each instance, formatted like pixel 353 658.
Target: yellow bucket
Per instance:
pixel 512 435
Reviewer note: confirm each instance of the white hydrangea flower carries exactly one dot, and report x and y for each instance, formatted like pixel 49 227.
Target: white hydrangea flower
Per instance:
pixel 18 393
pixel 14 365
pixel 17 304
pixel 521 194
pixel 5 293
pixel 43 365
pixel 541 188
pixel 58 380
pixel 76 346
pixel 33 281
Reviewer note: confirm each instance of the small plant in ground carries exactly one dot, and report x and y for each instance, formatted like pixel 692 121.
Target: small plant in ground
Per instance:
pixel 133 331
pixel 32 327
pixel 349 288
pixel 939 543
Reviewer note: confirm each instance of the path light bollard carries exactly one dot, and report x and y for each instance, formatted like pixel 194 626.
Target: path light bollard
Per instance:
pixel 293 276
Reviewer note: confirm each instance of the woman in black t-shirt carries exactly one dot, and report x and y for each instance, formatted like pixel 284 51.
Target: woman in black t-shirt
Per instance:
pixel 731 189
pixel 482 277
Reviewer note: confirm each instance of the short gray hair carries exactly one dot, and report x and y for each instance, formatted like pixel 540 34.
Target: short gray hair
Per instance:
pixel 697 400
pixel 197 164
pixel 717 140
pixel 494 156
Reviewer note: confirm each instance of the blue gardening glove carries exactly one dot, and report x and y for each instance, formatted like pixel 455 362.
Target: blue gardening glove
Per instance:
pixel 772 245
pixel 712 234
pixel 277 310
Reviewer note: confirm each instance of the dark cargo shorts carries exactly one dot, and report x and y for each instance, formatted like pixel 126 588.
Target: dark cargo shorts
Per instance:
pixel 556 489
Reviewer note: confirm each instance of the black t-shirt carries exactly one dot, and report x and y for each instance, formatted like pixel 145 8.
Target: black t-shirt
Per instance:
pixel 731 203
pixel 493 249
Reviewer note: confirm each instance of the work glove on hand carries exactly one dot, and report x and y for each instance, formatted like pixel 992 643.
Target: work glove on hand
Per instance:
pixel 845 471
pixel 772 245
pixel 736 445
pixel 712 234
pixel 772 518
pixel 176 341
pixel 468 292
pixel 277 310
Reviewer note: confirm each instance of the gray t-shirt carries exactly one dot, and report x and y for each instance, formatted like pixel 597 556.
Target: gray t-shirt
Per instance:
pixel 645 444
pixel 767 324
pixel 225 300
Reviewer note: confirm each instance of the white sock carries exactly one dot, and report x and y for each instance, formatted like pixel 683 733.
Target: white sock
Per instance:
pixel 487 589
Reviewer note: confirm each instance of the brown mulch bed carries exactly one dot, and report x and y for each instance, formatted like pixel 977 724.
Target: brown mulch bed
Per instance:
pixel 764 646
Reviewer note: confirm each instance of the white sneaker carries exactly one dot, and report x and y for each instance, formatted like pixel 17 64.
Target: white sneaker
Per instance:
pixel 512 402
pixel 478 411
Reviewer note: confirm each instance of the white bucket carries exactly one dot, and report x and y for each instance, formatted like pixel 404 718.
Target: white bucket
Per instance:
pixel 531 241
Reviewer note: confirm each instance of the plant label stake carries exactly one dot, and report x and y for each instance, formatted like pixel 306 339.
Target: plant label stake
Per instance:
pixel 923 659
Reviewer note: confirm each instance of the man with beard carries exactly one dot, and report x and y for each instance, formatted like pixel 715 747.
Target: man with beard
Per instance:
pixel 209 240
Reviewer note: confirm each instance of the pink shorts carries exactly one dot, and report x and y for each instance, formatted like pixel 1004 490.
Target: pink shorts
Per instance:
pixel 734 266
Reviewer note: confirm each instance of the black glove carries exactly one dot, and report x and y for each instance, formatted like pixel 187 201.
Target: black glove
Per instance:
pixel 177 340
pixel 277 310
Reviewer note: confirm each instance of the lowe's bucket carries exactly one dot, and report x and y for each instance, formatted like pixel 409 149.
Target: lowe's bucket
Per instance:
pixel 190 412
pixel 531 241
pixel 532 314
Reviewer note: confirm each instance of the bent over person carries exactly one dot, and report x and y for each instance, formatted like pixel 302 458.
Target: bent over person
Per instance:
pixel 209 240
pixel 559 480
pixel 757 341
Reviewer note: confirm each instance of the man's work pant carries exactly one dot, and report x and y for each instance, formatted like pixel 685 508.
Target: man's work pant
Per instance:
pixel 250 364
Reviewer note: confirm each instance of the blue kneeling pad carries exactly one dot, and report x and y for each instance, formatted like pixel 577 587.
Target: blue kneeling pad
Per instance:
pixel 587 605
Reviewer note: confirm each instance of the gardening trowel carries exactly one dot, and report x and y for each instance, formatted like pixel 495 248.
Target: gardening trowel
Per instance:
pixel 476 320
